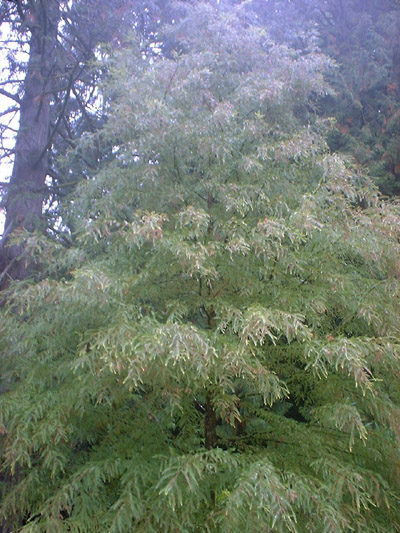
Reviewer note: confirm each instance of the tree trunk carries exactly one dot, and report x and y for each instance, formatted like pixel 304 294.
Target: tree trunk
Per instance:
pixel 210 425
pixel 26 190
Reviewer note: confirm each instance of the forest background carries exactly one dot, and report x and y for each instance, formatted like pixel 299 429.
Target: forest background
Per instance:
pixel 200 266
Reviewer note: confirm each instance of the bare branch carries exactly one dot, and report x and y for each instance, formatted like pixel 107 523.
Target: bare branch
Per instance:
pixel 4 127
pixel 11 96
pixel 9 111
pixel 10 82
pixel 83 110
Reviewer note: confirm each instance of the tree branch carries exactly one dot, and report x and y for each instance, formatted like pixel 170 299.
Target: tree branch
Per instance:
pixel 4 273
pixel 8 82
pixel 60 117
pixel 83 110
pixel 4 127
pixel 8 111
pixel 11 96
pixel 7 152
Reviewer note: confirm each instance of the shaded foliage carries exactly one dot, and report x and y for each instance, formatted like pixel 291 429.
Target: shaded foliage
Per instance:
pixel 364 39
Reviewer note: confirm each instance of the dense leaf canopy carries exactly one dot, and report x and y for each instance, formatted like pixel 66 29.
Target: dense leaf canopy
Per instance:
pixel 220 349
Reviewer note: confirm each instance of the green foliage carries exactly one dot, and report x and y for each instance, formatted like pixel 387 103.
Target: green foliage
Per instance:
pixel 231 278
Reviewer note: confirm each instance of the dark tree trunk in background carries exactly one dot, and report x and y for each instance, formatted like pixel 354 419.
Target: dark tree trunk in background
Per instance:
pixel 210 429
pixel 26 190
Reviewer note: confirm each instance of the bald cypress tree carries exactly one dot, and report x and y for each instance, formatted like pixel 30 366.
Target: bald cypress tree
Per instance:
pixel 220 350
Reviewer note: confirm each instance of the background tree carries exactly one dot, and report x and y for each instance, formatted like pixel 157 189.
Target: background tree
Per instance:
pixel 219 351
pixel 26 191
pixel 363 38
pixel 56 95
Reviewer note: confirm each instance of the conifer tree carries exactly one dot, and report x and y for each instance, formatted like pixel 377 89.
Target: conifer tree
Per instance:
pixel 364 39
pixel 52 81
pixel 219 352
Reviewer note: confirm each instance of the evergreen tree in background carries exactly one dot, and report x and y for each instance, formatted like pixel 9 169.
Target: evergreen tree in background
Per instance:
pixel 219 351
pixel 54 69
pixel 364 39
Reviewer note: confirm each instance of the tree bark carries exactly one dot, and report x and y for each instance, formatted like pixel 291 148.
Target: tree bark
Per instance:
pixel 26 190
pixel 210 425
